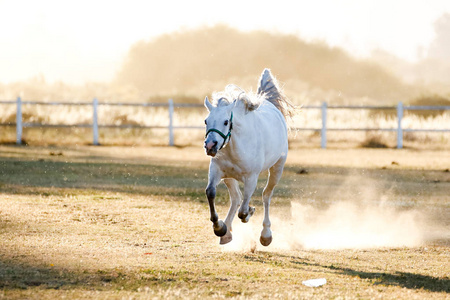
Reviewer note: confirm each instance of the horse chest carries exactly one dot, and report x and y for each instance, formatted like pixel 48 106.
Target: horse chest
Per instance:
pixel 234 170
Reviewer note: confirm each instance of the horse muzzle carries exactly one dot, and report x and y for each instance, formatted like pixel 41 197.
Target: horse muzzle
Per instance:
pixel 211 148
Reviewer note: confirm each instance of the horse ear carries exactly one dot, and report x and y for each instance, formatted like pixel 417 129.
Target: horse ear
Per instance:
pixel 207 104
pixel 232 105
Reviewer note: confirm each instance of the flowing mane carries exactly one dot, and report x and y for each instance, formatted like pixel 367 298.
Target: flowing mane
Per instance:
pixel 268 89
pixel 233 92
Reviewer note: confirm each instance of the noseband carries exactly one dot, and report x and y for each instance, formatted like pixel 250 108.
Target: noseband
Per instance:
pixel 225 137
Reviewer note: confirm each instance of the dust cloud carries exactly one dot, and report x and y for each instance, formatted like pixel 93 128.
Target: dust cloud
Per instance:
pixel 343 225
pixel 346 225
pixel 347 218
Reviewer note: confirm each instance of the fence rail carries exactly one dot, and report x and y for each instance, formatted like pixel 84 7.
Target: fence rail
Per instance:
pixel 400 109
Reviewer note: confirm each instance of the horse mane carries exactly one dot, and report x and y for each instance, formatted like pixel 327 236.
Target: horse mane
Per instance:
pixel 268 89
pixel 233 92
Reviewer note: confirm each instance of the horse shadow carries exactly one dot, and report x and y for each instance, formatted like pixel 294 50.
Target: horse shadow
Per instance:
pixel 402 279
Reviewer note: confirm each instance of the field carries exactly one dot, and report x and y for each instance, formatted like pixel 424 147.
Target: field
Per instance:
pixel 133 222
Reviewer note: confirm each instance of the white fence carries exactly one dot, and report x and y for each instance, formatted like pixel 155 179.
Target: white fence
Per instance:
pixel 400 108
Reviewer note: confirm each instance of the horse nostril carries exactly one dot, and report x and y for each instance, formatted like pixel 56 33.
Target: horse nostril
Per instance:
pixel 210 145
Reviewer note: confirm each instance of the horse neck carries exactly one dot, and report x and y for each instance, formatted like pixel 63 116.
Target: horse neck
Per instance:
pixel 239 134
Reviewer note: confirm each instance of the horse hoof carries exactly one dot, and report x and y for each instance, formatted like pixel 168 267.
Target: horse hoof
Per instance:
pixel 221 229
pixel 242 216
pixel 246 217
pixel 265 241
pixel 226 239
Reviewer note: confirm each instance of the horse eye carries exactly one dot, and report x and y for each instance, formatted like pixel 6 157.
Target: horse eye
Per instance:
pixel 225 123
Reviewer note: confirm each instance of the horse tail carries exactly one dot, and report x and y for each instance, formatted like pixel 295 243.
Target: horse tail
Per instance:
pixel 271 91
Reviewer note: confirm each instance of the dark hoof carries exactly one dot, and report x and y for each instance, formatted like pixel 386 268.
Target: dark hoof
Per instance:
pixel 242 217
pixel 221 229
pixel 246 217
pixel 265 241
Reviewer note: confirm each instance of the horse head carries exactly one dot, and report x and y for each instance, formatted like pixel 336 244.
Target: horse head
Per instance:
pixel 219 125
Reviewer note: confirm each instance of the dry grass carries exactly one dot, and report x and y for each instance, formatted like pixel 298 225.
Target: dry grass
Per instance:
pixel 113 222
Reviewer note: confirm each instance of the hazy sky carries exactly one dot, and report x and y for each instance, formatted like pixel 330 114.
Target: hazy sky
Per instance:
pixel 79 41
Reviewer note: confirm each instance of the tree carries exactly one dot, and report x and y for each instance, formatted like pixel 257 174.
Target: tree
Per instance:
pixel 206 59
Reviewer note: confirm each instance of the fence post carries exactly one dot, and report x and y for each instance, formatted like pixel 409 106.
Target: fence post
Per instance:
pixel 171 143
pixel 95 121
pixel 323 135
pixel 399 126
pixel 19 121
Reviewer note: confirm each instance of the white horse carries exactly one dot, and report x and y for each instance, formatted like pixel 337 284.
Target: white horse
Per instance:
pixel 246 134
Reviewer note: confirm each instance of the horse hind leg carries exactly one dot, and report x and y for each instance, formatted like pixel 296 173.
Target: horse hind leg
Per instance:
pixel 275 173
pixel 246 211
pixel 235 201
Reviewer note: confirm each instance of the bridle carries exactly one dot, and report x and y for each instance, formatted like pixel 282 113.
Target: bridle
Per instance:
pixel 225 137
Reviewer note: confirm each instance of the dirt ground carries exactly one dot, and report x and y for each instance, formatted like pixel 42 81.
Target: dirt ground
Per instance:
pixel 124 222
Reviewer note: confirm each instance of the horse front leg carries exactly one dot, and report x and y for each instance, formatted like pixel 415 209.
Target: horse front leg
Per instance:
pixel 220 229
pixel 246 211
